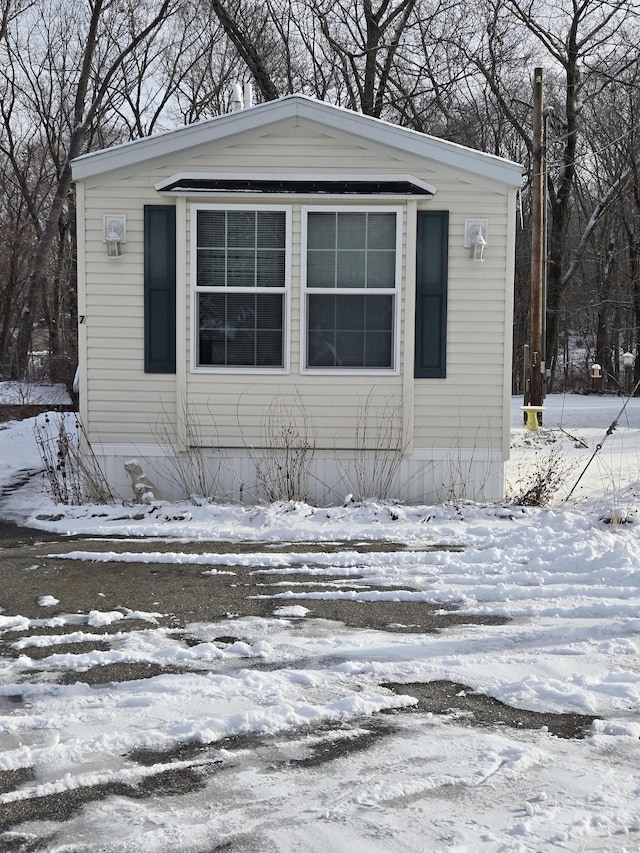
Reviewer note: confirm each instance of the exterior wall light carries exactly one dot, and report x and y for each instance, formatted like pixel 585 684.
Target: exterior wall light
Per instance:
pixel 115 233
pixel 475 237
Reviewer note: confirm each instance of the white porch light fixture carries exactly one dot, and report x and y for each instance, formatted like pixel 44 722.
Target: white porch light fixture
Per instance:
pixel 475 237
pixel 115 233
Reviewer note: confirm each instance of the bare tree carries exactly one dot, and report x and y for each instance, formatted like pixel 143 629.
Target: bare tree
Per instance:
pixel 614 180
pixel 250 29
pixel 62 62
pixel 580 38
pixel 79 75
pixel 362 40
pixel 575 39
pixel 17 236
pixel 200 66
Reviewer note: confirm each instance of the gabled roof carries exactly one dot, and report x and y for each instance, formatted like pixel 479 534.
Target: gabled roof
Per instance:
pixel 293 108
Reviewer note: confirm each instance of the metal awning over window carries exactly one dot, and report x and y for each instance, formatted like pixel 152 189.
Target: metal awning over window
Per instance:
pixel 333 186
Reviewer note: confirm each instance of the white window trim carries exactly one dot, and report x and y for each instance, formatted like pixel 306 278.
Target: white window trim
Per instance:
pixel 394 370
pixel 194 291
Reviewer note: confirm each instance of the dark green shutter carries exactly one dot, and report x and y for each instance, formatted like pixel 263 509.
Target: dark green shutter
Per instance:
pixel 159 289
pixel 431 293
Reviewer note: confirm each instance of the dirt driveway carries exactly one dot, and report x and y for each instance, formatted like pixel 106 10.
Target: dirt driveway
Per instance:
pixel 181 592
pixel 33 564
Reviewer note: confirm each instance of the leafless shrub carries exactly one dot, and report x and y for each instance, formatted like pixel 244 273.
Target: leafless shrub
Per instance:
pixel 73 477
pixel 192 470
pixel 543 482
pixel 283 469
pixel 18 393
pixel 467 480
pixel 379 448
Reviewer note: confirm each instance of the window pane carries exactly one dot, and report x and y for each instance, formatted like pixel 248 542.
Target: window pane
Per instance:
pixel 381 269
pixel 321 349
pixel 212 314
pixel 269 349
pixel 352 230
pixel 321 322
pixel 211 268
pixel 378 349
pixel 241 268
pixel 350 349
pixel 240 338
pixel 321 231
pixel 379 311
pixel 271 268
pixel 350 331
pixel 381 231
pixel 321 269
pixel 241 228
pixel 211 229
pixel 351 269
pixel 322 312
pixel 240 329
pixel 352 310
pixel 269 312
pixel 271 231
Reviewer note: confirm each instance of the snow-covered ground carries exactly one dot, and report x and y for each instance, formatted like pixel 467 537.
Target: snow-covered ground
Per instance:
pixel 33 394
pixel 567 577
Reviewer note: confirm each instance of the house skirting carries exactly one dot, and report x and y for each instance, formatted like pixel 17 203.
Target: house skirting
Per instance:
pixel 321 477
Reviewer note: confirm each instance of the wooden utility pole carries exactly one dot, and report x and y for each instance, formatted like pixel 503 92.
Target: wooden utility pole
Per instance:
pixel 537 246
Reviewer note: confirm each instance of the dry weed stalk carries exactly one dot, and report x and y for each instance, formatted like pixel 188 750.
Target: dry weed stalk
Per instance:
pixel 379 449
pixel 194 472
pixel 283 469
pixel 74 476
pixel 543 483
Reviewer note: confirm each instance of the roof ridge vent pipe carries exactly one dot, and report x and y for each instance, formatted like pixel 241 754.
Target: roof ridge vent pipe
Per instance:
pixel 237 101
pixel 247 95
